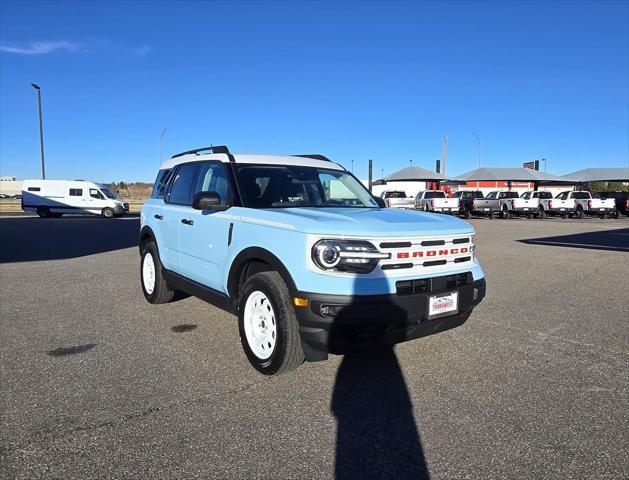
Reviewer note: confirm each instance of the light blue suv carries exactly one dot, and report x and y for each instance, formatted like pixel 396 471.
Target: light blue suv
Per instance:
pixel 304 255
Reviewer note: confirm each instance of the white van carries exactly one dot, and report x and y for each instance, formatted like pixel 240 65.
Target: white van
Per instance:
pixel 54 198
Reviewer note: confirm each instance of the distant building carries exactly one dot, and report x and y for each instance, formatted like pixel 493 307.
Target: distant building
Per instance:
pixel 10 186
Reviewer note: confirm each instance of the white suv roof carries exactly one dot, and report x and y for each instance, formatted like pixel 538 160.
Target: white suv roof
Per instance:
pixel 249 158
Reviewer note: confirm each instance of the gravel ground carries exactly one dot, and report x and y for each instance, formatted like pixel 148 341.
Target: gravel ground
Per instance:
pixel 97 383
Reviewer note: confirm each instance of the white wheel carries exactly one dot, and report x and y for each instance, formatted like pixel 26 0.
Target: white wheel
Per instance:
pixel 260 325
pixel 148 273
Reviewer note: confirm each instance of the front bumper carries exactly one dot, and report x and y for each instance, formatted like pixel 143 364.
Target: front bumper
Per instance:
pixel 120 209
pixel 343 323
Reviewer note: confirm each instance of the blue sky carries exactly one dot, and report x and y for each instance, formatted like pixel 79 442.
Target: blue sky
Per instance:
pixel 353 80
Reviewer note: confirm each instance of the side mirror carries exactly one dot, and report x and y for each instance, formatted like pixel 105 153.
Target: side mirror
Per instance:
pixel 208 201
pixel 380 202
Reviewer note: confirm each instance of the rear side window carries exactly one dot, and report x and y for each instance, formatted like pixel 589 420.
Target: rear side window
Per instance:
pixel 161 183
pixel 183 184
pixel 543 195
pixel 562 196
pixel 34 189
pixel 508 195
pixel 76 192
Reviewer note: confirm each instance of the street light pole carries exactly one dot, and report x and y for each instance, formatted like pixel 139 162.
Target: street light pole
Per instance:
pixel 478 141
pixel 544 160
pixel 41 131
pixel 161 147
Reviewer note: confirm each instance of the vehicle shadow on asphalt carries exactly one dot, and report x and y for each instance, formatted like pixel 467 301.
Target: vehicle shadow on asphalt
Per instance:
pixel 73 350
pixel 34 239
pixel 613 240
pixel 377 436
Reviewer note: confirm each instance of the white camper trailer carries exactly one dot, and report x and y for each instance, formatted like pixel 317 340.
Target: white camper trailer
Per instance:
pixel 53 198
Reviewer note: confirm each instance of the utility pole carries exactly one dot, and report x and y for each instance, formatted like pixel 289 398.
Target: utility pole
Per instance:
pixel 478 141
pixel 411 162
pixel 352 166
pixel 41 131
pixel 445 152
pixel 544 160
pixel 161 147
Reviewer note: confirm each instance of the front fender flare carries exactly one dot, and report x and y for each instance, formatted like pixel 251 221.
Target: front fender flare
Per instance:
pixel 256 253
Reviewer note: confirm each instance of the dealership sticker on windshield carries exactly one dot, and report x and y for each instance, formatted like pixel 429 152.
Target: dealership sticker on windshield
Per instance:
pixel 442 305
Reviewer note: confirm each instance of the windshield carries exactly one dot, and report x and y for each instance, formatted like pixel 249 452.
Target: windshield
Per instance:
pixel 285 186
pixel 108 193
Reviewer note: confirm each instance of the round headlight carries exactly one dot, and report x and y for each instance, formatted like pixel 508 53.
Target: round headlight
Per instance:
pixel 328 254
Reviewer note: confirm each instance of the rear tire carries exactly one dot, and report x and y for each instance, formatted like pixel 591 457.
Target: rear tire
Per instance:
pixel 578 213
pixel 108 212
pixel 504 213
pixel 268 327
pixel 44 212
pixel 542 213
pixel 468 214
pixel 155 288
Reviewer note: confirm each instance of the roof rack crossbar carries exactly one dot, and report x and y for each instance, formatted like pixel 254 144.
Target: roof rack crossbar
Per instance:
pixel 314 156
pixel 213 149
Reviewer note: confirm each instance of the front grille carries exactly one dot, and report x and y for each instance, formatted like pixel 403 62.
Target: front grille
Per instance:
pixel 425 254
pixel 430 285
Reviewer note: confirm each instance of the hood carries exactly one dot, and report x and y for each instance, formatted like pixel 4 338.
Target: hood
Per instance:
pixel 371 222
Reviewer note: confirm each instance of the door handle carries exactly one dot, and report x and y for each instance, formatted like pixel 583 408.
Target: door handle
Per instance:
pixel 159 216
pixel 187 221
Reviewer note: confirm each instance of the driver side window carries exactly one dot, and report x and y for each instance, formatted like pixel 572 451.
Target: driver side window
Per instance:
pixel 94 193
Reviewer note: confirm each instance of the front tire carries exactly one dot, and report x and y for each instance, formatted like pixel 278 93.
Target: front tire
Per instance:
pixel 268 327
pixel 108 212
pixel 155 288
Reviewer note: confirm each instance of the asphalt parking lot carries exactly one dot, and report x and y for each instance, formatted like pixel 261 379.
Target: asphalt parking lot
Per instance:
pixel 97 383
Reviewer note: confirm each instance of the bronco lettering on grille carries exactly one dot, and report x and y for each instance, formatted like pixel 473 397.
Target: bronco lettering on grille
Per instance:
pixel 433 253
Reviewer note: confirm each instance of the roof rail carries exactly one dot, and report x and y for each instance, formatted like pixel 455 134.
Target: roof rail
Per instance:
pixel 213 149
pixel 314 156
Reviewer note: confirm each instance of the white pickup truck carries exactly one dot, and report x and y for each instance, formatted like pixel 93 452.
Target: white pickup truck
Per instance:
pixel 436 201
pixel 497 202
pixel 576 204
pixel 397 199
pixel 528 203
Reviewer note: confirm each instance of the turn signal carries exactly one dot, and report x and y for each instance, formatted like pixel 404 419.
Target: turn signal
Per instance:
pixel 300 302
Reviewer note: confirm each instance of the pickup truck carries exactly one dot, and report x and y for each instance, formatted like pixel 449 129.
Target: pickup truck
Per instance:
pixel 528 203
pixel 576 204
pixel 397 199
pixel 621 199
pixel 301 253
pixel 497 202
pixel 436 201
pixel 467 203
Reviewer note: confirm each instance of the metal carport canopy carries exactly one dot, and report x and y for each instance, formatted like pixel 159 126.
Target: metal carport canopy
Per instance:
pixel 413 174
pixel 506 174
pixel 600 175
